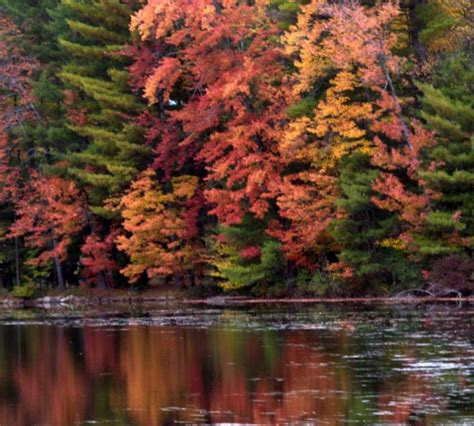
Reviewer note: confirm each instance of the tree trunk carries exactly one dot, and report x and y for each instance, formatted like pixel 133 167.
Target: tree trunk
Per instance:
pixel 59 273
pixel 176 280
pixel 59 269
pixel 101 281
pixel 17 261
pixel 109 282
pixel 414 28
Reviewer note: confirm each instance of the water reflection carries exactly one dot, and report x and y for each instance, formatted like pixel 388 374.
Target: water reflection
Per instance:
pixel 417 369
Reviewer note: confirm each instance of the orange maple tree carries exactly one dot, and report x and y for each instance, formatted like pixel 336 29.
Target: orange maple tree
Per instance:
pixel 158 239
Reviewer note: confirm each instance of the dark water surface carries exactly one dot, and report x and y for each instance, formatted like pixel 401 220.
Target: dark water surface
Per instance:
pixel 325 365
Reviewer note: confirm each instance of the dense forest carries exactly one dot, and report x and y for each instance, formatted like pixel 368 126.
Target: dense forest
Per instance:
pixel 267 147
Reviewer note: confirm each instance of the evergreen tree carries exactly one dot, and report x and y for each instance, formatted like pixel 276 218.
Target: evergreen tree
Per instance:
pixel 450 224
pixel 33 18
pixel 246 257
pixel 287 11
pixel 448 108
pixel 41 23
pixel 102 108
pixel 364 233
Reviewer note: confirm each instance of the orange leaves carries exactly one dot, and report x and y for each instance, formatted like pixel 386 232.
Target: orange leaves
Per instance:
pixel 222 60
pixel 396 198
pixel 163 78
pixel 406 157
pixel 222 64
pixel 146 22
pixel 399 186
pixel 344 36
pixel 307 200
pixel 157 234
pixel 348 43
pixel 343 55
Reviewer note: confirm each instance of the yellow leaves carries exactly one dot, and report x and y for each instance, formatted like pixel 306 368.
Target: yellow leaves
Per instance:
pixel 394 243
pixel 155 18
pixel 156 226
pixel 344 81
pixel 143 197
pixel 293 143
pixel 336 129
pixel 207 17
pixel 299 42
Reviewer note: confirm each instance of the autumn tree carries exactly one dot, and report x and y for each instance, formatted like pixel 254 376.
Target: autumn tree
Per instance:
pixel 346 68
pixel 233 103
pixel 49 213
pixel 158 238
pixel 282 140
pixel 448 25
pixel 219 82
pixel 97 259
pixel 102 111
pixel 17 110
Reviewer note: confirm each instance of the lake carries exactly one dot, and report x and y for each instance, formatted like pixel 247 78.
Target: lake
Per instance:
pixel 319 364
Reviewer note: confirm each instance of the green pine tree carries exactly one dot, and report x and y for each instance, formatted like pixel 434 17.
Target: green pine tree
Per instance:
pixel 245 257
pixel 448 109
pixel 363 234
pixel 112 150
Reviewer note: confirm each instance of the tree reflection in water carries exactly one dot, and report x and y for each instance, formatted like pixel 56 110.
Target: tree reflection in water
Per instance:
pixel 146 375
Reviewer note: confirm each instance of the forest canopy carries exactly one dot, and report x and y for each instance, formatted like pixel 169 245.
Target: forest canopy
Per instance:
pixel 269 147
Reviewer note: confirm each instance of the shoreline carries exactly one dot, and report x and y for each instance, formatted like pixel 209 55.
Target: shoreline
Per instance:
pixel 72 301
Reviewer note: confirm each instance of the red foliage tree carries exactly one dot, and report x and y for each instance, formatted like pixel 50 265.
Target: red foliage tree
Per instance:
pixel 219 79
pixel 97 260
pixel 16 107
pixel 49 213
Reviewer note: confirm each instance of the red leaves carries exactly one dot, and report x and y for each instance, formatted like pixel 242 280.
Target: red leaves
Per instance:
pixel 399 187
pixel 16 107
pixel 395 198
pixel 16 70
pixel 163 78
pixel 49 213
pixel 77 116
pixel 97 257
pixel 251 252
pixel 223 60
pixel 225 142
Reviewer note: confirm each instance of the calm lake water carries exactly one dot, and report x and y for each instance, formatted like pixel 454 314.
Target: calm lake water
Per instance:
pixel 325 365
